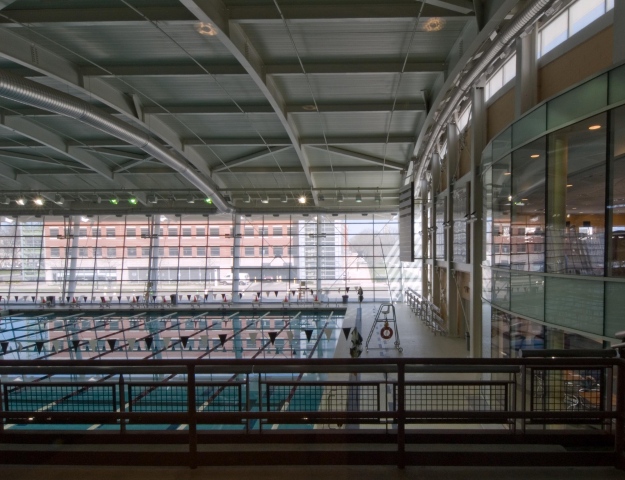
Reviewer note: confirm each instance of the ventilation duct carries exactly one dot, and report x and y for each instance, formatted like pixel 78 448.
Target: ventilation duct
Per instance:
pixel 31 93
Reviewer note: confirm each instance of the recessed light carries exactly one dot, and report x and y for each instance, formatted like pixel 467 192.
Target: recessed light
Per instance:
pixel 506 173
pixel 594 127
pixel 206 29
pixel 569 185
pixel 302 199
pixel 535 155
pixel 310 108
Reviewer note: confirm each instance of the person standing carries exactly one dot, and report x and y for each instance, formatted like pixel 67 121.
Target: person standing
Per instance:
pixel 360 294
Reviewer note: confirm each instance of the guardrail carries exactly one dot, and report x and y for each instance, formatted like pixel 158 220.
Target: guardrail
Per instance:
pixel 426 311
pixel 340 403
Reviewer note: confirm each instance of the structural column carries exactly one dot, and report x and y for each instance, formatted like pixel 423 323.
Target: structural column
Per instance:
pixel 476 222
pixel 425 237
pixel 450 284
pixel 236 256
pixel 526 92
pixel 436 175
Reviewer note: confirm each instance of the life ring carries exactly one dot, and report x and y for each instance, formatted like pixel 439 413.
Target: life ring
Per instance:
pixel 386 332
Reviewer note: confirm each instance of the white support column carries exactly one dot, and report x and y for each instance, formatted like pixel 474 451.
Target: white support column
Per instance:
pixel 236 256
pixel 425 237
pixel 436 173
pixel 619 32
pixel 526 91
pixel 453 153
pixel 476 223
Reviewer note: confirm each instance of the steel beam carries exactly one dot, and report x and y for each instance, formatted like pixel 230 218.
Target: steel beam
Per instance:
pixel 250 158
pixel 325 12
pixel 361 156
pixel 235 39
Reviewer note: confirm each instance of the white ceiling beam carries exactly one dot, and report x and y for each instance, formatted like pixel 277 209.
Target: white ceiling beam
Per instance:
pixel 43 160
pixel 335 169
pixel 358 140
pixel 250 158
pixel 400 106
pixel 355 68
pixel 360 156
pixel 236 141
pixel 27 53
pixel 109 16
pixel 325 12
pixel 234 38
pixel 46 137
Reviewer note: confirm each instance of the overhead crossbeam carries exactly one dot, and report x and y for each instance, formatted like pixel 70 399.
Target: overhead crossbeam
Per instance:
pixel 361 156
pixel 250 158
pixel 324 12
pixel 236 41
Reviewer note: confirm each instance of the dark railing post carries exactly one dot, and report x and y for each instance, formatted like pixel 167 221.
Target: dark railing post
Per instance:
pixel 401 415
pixel 192 416
pixel 2 407
pixel 122 404
pixel 619 438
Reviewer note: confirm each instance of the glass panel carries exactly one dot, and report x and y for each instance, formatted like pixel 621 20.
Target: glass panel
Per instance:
pixel 575 303
pixel 584 13
pixel 617 85
pixel 617 203
pixel 587 98
pixel 502 199
pixel 501 288
pixel 576 196
pixel 614 308
pixel 440 229
pixel 554 33
pixel 460 240
pixel 530 126
pixel 527 231
pixel 528 295
pixel 502 144
pixel 487 215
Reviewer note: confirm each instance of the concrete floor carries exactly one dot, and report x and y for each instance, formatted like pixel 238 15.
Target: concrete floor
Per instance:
pixel 417 341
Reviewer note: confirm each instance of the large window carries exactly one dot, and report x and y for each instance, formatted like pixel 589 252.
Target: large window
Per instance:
pixel 330 255
pixel 570 21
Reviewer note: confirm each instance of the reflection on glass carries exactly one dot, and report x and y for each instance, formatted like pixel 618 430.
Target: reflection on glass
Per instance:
pixel 527 230
pixel 501 208
pixel 616 266
pixel 576 193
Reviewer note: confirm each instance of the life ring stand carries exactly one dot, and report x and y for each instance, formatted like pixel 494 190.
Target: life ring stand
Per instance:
pixel 386 332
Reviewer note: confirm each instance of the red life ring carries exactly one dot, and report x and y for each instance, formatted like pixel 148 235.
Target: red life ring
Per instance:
pixel 386 332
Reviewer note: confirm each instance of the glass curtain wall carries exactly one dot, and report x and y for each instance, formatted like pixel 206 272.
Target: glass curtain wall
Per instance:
pixel 193 258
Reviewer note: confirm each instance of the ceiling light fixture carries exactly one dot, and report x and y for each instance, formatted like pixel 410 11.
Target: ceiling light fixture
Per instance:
pixel 190 198
pixel 5 200
pixel 339 197
pixel 206 29
pixel 434 24
pixel 132 200
pixel 38 200
pixel 284 198
pixel 594 127
pixel 247 199
pixel 264 199
pixel 20 201
pixel 208 200
pixel 358 197
pixel 302 199
pixel 378 197
pixel 114 200
pixel 152 198
pixel 321 197
pixel 535 155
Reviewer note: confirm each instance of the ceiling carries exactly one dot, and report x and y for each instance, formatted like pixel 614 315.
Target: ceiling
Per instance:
pixel 259 101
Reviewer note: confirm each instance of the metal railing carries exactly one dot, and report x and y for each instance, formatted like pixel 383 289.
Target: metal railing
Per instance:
pixel 339 403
